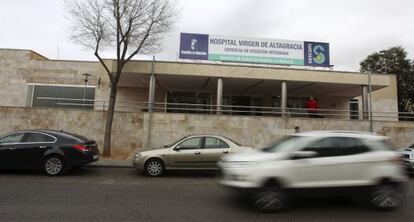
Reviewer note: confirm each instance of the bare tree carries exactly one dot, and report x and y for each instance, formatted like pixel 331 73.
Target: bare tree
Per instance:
pixel 129 26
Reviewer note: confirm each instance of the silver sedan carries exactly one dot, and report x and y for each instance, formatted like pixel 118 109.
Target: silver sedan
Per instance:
pixel 191 152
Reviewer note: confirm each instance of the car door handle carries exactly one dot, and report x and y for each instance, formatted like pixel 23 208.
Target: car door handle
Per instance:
pixel 42 147
pixel 197 153
pixel 12 148
pixel 225 152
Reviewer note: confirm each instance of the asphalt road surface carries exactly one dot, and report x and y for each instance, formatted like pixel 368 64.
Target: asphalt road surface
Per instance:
pixel 103 194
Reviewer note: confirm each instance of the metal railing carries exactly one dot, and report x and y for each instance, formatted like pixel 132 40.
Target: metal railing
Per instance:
pixel 134 106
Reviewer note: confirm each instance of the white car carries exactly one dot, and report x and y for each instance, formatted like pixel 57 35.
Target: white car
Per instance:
pixel 408 158
pixel 337 163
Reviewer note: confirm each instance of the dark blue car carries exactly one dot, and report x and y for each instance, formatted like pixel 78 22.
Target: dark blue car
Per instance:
pixel 53 152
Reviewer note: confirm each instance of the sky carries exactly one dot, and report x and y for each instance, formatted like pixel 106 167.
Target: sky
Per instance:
pixel 353 28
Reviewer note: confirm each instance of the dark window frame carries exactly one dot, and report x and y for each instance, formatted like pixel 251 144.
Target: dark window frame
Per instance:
pixel 26 138
pixel 75 94
pixel 11 134
pixel 200 145
pixel 222 142
pixel 338 149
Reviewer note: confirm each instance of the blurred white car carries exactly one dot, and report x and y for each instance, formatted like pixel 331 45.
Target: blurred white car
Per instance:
pixel 336 163
pixel 408 158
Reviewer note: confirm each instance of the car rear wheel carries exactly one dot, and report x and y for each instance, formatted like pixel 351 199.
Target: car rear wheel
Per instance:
pixel 154 168
pixel 53 165
pixel 385 197
pixel 271 199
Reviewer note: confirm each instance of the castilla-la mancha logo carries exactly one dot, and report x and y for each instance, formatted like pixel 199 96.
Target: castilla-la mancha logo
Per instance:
pixel 194 46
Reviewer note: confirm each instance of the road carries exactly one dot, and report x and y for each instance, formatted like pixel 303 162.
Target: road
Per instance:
pixel 109 194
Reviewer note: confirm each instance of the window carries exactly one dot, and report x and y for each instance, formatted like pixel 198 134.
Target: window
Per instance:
pixel 350 146
pixel 192 143
pixel 288 144
pixel 243 105
pixel 39 138
pixel 325 147
pixel 337 146
pixel 353 107
pixel 188 102
pixel 60 96
pixel 296 105
pixel 212 142
pixel 12 138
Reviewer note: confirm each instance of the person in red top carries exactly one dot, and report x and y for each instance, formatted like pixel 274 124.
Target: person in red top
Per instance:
pixel 312 106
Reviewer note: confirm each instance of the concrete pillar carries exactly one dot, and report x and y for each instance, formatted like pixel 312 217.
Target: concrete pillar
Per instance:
pixel 283 98
pixel 219 94
pixel 151 96
pixel 151 93
pixel 365 104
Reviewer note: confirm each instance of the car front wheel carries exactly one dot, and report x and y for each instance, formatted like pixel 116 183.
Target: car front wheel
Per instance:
pixel 53 165
pixel 154 168
pixel 270 199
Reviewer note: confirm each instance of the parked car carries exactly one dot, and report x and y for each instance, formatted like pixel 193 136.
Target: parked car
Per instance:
pixel 54 152
pixel 408 158
pixel 336 163
pixel 191 152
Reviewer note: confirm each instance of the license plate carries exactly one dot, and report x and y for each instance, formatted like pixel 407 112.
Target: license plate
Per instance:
pixel 95 157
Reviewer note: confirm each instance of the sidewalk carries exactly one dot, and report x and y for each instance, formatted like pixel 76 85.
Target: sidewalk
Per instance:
pixel 112 163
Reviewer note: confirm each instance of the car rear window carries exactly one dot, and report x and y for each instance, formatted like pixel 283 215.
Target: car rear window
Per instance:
pixel 383 144
pixel 75 137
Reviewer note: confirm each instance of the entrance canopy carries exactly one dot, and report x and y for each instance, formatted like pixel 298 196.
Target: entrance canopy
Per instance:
pixel 251 86
pixel 239 86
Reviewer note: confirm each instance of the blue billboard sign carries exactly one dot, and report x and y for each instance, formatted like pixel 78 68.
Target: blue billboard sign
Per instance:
pixel 253 50
pixel 316 54
pixel 194 46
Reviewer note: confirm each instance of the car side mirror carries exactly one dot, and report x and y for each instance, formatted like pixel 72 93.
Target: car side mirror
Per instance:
pixel 177 148
pixel 303 154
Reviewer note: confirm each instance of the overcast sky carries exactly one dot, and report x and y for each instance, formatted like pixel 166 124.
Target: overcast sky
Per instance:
pixel 354 28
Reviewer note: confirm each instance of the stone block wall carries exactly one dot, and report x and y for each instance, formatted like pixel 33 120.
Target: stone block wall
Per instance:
pixel 130 128
pixel 258 131
pixel 127 128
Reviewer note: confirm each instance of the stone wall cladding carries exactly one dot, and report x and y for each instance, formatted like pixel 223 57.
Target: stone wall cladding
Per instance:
pixel 127 128
pixel 258 131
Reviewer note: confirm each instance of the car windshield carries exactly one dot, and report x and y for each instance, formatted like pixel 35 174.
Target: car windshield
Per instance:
pixel 287 143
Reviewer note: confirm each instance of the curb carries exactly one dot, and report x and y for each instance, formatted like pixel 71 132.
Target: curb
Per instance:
pixel 108 166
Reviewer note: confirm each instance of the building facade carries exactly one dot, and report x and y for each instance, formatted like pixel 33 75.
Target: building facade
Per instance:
pixel 195 88
pixel 31 80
